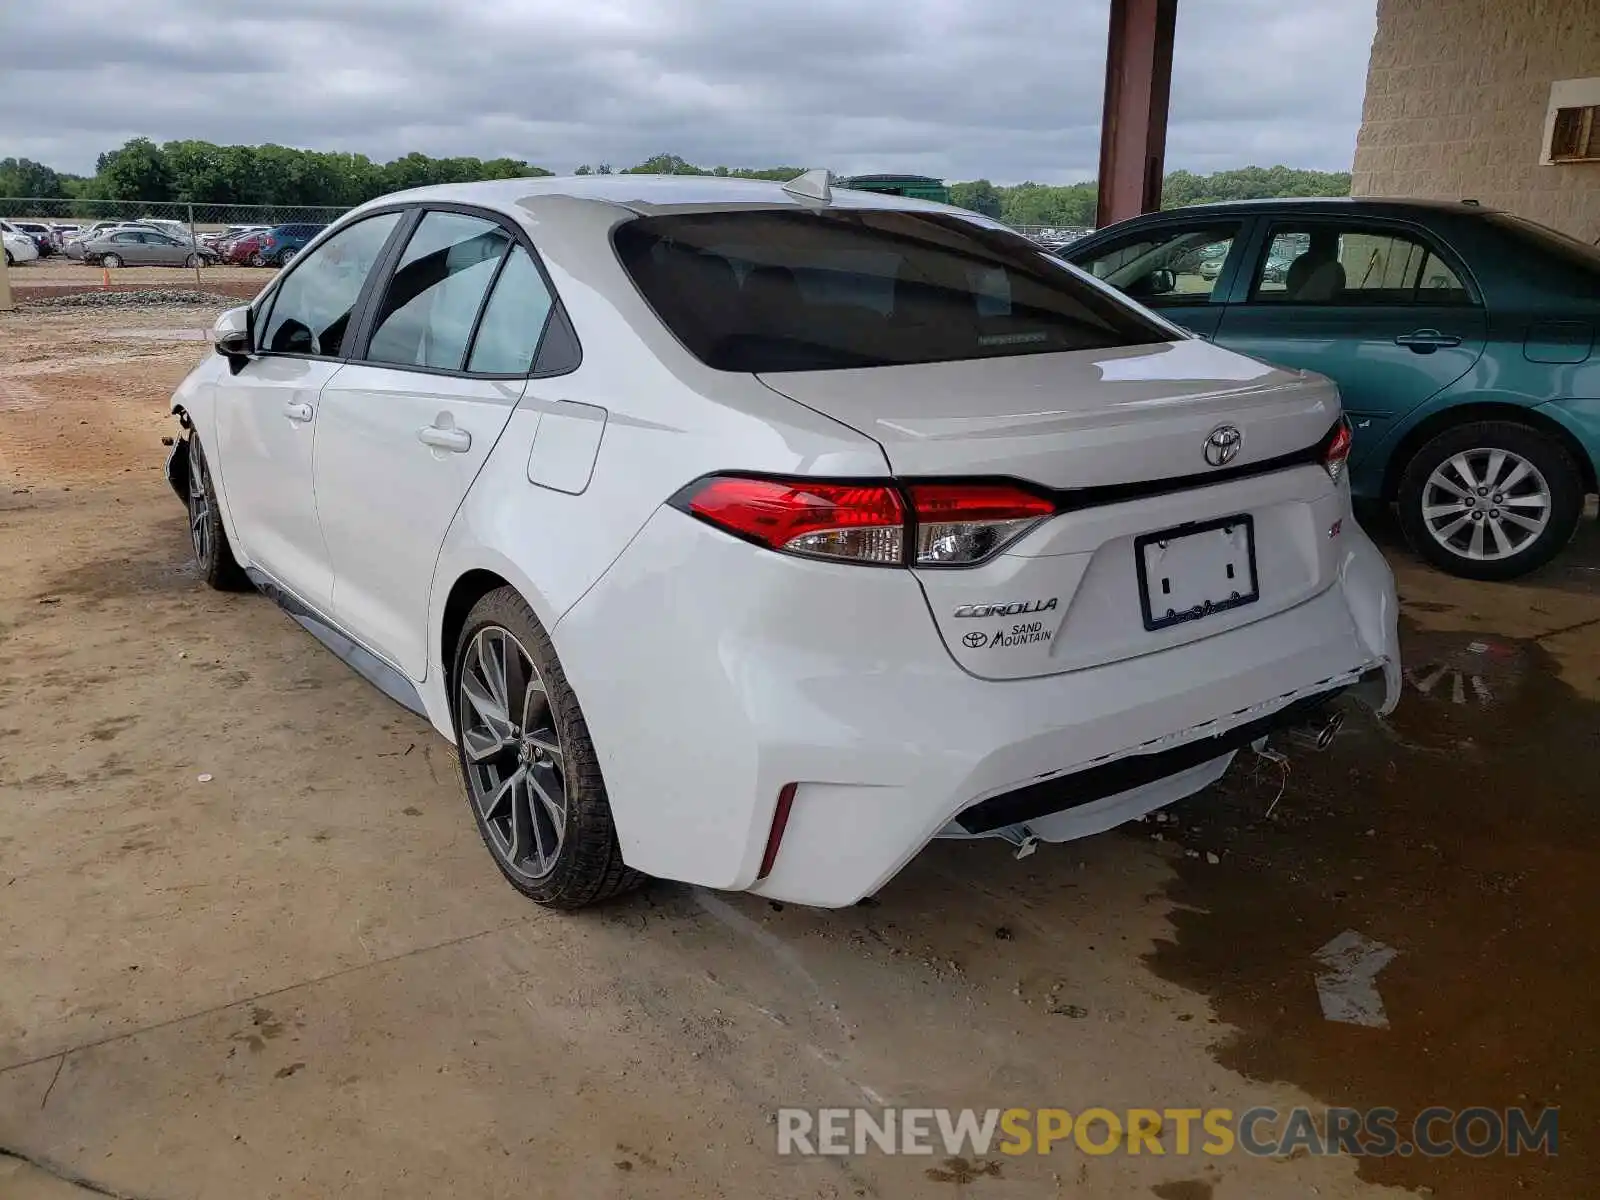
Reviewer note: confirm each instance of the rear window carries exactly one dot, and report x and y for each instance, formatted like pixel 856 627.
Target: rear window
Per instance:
pixel 1575 253
pixel 775 290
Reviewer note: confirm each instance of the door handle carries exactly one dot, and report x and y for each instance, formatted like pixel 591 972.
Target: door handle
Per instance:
pixel 1426 341
pixel 297 412
pixel 457 441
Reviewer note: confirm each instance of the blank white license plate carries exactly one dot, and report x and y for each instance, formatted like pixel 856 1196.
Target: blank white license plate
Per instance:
pixel 1194 571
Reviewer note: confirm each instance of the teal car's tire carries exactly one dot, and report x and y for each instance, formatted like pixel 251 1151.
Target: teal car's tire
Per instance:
pixel 1490 500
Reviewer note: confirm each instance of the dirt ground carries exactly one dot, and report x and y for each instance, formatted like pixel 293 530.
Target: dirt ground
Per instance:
pixel 251 945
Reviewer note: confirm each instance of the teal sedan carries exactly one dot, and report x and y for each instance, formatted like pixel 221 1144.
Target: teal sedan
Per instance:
pixel 1462 340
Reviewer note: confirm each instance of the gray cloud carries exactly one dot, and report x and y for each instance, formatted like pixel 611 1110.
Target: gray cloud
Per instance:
pixel 1007 89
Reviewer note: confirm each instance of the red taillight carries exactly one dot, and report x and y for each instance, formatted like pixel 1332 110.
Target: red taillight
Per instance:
pixel 949 524
pixel 864 522
pixel 962 523
pixel 1337 452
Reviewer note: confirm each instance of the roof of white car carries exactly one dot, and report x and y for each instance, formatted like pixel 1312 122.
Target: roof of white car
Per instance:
pixel 643 193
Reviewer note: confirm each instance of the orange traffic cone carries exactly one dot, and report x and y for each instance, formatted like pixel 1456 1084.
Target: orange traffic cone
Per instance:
pixel 105 277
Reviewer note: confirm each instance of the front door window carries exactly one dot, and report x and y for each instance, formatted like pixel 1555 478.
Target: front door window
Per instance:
pixel 1169 265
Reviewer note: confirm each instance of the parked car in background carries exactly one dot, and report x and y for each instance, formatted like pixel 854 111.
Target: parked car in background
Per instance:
pixel 144 248
pixel 245 250
pixel 1463 341
pixel 223 238
pixel 282 242
pixel 74 247
pixel 875 521
pixel 43 238
pixel 19 247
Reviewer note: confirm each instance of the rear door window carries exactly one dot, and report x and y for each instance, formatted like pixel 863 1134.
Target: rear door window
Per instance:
pixel 1345 263
pixel 432 301
pixel 779 290
pixel 513 321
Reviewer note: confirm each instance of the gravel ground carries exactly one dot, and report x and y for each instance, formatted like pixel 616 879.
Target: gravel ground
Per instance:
pixel 140 298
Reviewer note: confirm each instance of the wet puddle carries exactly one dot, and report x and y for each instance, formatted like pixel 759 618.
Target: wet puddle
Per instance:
pixel 1463 832
pixel 161 335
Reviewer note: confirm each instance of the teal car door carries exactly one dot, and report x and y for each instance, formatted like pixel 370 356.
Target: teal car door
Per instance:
pixel 1181 268
pixel 1380 307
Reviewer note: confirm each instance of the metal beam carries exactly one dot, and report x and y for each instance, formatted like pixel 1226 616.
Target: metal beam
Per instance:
pixel 1133 124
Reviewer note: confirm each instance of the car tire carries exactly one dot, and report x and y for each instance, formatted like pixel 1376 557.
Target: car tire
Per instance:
pixel 212 553
pixel 551 834
pixel 257 259
pixel 194 262
pixel 10 262
pixel 1466 523
pixel 110 261
pixel 285 257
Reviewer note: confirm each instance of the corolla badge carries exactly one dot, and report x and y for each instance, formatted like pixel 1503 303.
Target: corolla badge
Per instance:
pixel 1222 445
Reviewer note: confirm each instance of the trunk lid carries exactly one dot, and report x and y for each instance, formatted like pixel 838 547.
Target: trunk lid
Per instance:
pixel 1086 586
pixel 1082 419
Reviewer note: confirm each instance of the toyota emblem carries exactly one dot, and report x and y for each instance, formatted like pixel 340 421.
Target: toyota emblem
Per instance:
pixel 1222 445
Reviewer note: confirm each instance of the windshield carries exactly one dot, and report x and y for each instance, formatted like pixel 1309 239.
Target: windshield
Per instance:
pixel 781 290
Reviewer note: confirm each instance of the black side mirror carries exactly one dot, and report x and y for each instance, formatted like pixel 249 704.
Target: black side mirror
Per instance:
pixel 1161 282
pixel 234 337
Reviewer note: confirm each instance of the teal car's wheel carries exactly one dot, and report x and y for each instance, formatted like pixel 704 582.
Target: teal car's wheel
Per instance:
pixel 1490 500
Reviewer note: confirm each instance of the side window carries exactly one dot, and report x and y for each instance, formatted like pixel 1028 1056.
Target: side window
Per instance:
pixel 126 238
pixel 513 322
pixel 432 301
pixel 1168 265
pixel 1352 264
pixel 310 313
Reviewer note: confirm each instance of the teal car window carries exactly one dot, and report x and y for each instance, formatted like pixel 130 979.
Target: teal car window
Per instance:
pixel 1173 265
pixel 1327 264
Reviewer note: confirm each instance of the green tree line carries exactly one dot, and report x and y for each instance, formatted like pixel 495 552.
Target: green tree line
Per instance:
pixel 199 172
pixel 1072 206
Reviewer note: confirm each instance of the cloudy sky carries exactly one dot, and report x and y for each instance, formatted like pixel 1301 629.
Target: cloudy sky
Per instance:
pixel 1004 89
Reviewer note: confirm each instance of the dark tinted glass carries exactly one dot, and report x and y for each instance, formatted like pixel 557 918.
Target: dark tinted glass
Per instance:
pixel 807 291
pixel 1573 252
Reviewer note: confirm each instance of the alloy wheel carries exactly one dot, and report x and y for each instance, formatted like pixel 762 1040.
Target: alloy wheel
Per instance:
pixel 515 763
pixel 199 507
pixel 1486 504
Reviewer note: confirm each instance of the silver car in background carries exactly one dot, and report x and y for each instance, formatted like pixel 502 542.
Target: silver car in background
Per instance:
pixel 144 248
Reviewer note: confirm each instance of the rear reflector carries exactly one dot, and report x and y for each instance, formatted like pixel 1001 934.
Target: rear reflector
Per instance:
pixel 949 524
pixel 780 822
pixel 1337 451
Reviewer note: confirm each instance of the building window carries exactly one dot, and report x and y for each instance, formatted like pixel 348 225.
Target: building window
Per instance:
pixel 1575 137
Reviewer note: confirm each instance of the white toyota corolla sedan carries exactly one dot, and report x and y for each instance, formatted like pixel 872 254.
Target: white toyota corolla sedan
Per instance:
pixel 754 535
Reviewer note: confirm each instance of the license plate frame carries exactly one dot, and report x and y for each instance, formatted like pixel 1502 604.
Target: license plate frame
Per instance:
pixel 1207 606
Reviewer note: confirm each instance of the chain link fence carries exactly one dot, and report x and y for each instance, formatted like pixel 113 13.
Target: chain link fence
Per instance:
pixel 107 234
pixel 217 218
